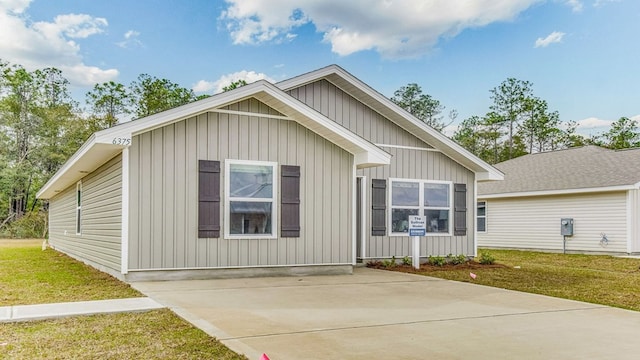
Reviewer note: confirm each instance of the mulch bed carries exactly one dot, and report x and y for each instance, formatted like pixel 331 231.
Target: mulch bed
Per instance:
pixel 470 265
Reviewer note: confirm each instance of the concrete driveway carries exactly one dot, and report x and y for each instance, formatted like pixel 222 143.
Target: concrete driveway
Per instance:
pixel 375 314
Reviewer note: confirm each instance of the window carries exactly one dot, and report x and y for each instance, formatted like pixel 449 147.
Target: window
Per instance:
pixel 78 207
pixel 482 216
pixel 417 197
pixel 250 201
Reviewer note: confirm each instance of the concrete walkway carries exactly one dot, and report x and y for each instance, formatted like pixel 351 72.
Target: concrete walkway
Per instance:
pixel 376 314
pixel 56 310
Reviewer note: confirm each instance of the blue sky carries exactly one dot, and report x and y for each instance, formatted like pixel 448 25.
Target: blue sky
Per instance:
pixel 583 56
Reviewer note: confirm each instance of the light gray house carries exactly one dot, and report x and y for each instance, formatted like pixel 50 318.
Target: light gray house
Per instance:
pixel 304 176
pixel 595 187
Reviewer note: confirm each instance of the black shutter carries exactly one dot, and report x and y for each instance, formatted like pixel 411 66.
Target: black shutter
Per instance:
pixel 460 209
pixel 378 207
pixel 208 199
pixel 290 201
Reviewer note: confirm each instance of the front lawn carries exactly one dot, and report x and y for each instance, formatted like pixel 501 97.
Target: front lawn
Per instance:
pixel 596 279
pixel 29 275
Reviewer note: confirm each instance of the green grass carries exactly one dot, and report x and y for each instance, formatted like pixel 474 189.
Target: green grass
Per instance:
pixel 596 279
pixel 29 275
pixel 157 334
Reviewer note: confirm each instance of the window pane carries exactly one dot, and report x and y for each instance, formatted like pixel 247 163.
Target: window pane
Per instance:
pixel 250 217
pixel 405 193
pixel 251 181
pixel 78 219
pixel 482 224
pixel 400 219
pixel 482 208
pixel 437 221
pixel 436 195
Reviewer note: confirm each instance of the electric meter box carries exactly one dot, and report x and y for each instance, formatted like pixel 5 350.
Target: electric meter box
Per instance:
pixel 566 227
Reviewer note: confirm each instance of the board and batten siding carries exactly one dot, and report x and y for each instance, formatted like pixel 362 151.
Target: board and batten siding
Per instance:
pixel 164 185
pixel 407 163
pixel 99 243
pixel 534 222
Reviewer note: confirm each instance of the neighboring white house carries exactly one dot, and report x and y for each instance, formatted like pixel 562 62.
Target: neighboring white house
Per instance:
pixel 595 187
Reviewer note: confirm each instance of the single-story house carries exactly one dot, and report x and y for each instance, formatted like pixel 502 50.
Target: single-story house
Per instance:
pixel 594 191
pixel 309 175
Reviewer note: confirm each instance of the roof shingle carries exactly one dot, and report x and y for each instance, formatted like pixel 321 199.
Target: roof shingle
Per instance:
pixel 576 168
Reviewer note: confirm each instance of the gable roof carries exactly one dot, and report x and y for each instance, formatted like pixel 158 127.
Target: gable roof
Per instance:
pixel 105 144
pixel 387 108
pixel 584 169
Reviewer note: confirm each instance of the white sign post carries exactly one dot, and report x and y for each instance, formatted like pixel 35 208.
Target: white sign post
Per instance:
pixel 417 228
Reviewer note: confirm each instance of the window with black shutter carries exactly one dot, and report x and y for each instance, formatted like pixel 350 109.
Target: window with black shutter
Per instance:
pixel 290 201
pixel 208 199
pixel 378 207
pixel 460 209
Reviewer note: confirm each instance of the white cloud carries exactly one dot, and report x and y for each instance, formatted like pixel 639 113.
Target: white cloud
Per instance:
pixel 50 44
pixel 576 5
pixel 394 29
pixel 225 80
pixel 130 39
pixel 554 37
pixel 636 118
pixel 592 123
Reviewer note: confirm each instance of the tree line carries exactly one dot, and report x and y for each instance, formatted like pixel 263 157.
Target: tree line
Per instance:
pixel 41 126
pixel 517 123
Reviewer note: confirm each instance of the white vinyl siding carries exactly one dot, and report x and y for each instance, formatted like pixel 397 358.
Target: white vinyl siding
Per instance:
pixel 164 170
pixel 534 222
pixel 411 159
pixel 101 218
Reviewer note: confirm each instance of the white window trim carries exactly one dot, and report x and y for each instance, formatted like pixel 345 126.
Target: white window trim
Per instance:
pixel 482 216
pixel 275 225
pixel 79 208
pixel 420 206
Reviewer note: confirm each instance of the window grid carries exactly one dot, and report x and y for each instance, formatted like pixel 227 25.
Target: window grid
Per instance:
pixel 481 212
pixel 421 208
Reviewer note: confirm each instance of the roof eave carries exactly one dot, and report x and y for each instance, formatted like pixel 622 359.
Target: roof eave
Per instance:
pixel 105 144
pixel 559 192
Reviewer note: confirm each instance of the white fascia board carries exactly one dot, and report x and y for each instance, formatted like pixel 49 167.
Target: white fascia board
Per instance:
pixel 483 170
pixel 557 192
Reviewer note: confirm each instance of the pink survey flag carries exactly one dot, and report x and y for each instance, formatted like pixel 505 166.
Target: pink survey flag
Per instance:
pixel 473 276
pixel 264 357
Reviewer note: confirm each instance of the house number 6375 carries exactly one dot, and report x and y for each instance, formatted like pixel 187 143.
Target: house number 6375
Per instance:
pixel 121 141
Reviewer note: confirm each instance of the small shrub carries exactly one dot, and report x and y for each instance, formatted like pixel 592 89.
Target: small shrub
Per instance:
pixel 459 260
pixel 437 260
pixel 389 262
pixel 486 258
pixel 406 261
